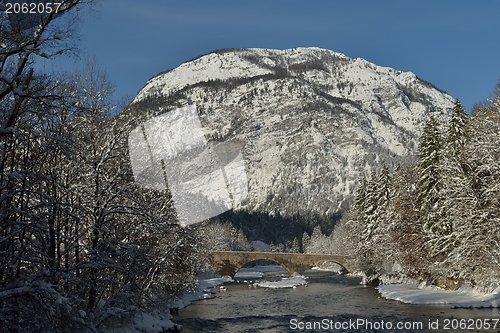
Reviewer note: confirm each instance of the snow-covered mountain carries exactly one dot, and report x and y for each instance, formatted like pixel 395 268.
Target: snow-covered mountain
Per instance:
pixel 310 121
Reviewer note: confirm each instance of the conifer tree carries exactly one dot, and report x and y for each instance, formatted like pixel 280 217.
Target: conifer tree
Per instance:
pixel 306 241
pixel 454 184
pixel 359 200
pixel 439 220
pixel 370 207
pixel 294 247
pixel 383 191
pixel 455 134
pixel 474 259
pixel 428 167
pixel 406 225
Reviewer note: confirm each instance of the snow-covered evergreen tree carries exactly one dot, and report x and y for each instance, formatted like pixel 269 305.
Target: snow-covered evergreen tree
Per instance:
pixel 317 242
pixel 217 236
pixel 405 226
pixel 294 246
pixel 383 192
pixel 359 200
pixel 430 184
pixel 478 204
pixel 306 240
pixel 455 133
pixel 439 220
pixel 455 205
pixel 369 210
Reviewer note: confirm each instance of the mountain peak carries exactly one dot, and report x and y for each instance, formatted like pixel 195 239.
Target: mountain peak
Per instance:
pixel 232 63
pixel 311 120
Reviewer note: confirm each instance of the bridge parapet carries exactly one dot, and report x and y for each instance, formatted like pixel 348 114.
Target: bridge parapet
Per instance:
pixel 229 262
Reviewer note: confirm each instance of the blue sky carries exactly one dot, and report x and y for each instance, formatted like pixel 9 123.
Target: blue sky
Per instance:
pixel 453 44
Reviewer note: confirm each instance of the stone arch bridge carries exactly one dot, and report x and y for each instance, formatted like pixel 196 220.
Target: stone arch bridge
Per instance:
pixel 229 262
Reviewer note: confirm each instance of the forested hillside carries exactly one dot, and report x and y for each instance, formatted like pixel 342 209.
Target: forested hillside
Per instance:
pixel 436 220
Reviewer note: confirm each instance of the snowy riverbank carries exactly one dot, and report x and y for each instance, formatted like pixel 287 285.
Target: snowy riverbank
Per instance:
pixel 207 288
pixel 161 321
pixel 210 286
pixel 464 297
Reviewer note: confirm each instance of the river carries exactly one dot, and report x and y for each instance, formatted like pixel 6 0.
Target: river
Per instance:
pixel 329 303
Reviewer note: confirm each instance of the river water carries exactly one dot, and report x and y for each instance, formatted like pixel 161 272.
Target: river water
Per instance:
pixel 329 303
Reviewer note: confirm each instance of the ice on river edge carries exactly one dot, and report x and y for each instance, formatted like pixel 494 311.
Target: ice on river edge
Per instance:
pixel 465 297
pixel 293 281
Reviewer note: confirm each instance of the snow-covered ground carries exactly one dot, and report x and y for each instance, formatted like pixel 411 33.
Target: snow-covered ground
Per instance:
pixel 160 321
pixel 423 294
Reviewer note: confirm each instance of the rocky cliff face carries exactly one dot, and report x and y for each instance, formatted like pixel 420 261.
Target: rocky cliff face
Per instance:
pixel 309 121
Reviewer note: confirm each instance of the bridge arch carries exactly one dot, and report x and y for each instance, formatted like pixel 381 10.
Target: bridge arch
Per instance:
pixel 288 269
pixel 229 262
